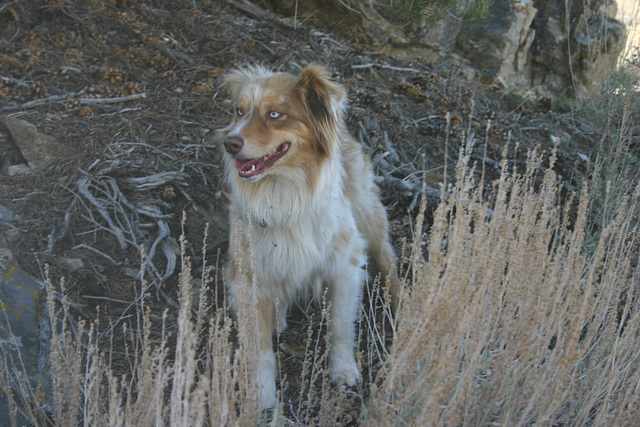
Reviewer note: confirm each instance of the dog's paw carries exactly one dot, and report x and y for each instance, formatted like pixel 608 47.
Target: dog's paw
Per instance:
pixel 344 370
pixel 267 397
pixel 265 378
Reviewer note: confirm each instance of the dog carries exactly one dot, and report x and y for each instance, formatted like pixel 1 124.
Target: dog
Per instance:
pixel 303 209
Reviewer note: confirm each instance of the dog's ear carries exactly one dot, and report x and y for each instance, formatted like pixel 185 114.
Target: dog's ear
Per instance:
pixel 325 101
pixel 235 80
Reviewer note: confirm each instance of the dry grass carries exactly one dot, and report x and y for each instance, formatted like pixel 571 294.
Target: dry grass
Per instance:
pixel 510 321
pixel 520 307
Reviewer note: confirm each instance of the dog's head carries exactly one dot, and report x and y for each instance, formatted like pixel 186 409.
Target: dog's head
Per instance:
pixel 281 121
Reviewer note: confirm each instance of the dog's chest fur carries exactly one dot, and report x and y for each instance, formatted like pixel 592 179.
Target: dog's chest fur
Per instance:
pixel 295 231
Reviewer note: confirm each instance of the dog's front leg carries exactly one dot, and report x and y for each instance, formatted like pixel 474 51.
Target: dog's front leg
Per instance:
pixel 266 368
pixel 344 292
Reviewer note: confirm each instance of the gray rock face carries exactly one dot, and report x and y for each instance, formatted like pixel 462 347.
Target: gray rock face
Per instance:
pixel 582 60
pixel 536 44
pixel 533 45
pixel 500 46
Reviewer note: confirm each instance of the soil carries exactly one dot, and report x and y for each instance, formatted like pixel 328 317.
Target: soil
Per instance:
pixel 131 88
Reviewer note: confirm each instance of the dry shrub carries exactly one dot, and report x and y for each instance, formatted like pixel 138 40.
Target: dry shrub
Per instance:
pixel 510 321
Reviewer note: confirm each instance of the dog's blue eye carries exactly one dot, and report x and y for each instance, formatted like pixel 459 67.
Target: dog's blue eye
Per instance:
pixel 240 112
pixel 274 115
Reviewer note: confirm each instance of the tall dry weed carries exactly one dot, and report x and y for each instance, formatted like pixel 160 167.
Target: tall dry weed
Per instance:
pixel 508 320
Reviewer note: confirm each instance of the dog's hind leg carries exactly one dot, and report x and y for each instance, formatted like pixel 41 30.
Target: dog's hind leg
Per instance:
pixel 374 226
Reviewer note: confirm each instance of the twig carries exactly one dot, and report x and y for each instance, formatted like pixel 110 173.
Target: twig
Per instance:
pixel 363 135
pixel 84 246
pixel 163 233
pixel 384 67
pixel 104 299
pixel 325 37
pixel 388 145
pixel 251 9
pixel 171 260
pixel 148 146
pixel 14 81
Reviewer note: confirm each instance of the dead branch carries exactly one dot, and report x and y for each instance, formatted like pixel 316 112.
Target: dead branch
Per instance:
pixel 151 182
pixel 74 97
pixel 83 187
pixel 112 100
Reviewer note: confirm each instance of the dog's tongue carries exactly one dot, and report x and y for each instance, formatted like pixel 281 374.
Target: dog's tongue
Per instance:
pixel 250 168
pixel 253 167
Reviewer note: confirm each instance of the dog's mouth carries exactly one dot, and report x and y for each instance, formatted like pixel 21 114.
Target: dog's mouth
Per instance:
pixel 249 168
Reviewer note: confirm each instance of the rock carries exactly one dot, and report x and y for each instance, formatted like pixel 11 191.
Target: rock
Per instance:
pixel 19 169
pixel 37 148
pixel 25 334
pixel 131 272
pixel 7 259
pixel 7 215
pixel 12 235
pixel 73 264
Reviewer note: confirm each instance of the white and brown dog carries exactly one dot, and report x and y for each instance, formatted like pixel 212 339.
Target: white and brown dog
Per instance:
pixel 298 176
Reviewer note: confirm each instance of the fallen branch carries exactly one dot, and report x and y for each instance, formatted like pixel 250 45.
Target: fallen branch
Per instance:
pixel 112 100
pixel 74 97
pixel 35 103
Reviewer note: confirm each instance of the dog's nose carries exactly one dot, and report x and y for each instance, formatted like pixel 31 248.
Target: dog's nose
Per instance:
pixel 233 144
